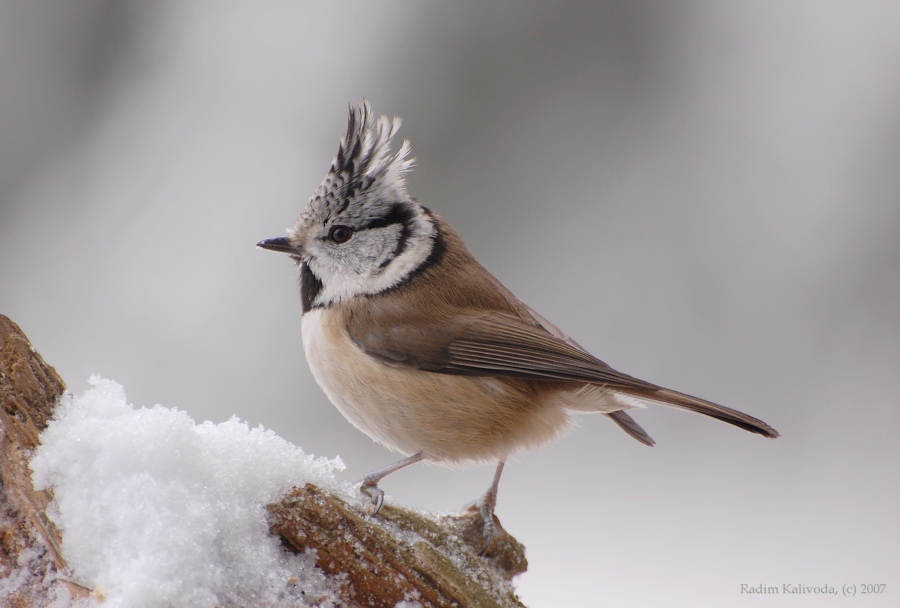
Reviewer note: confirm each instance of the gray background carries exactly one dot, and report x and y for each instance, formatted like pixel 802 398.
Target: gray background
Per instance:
pixel 704 194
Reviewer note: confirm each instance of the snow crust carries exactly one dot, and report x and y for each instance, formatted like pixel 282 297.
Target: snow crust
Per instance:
pixel 157 510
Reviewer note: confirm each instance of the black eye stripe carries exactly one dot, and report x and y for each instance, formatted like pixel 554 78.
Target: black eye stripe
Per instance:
pixel 399 213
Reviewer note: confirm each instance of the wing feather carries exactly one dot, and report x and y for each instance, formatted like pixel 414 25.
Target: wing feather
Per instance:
pixel 497 343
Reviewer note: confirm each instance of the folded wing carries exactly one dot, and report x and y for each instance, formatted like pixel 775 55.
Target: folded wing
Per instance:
pixel 500 344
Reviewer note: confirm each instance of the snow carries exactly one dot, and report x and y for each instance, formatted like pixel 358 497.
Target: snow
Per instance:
pixel 157 510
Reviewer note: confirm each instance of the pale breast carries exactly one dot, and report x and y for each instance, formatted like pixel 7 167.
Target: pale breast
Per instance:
pixel 448 417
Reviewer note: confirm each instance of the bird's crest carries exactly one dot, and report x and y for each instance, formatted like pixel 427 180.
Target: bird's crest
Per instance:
pixel 364 163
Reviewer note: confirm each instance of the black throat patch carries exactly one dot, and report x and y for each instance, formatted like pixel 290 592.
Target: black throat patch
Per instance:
pixel 310 286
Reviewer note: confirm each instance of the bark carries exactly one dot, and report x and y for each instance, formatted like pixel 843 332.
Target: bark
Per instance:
pixel 380 561
pixel 29 390
pixel 401 554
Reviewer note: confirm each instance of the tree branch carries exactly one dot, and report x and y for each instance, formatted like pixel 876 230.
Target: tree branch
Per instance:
pixel 400 555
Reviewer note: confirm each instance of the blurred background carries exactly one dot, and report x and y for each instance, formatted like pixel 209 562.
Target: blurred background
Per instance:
pixel 706 195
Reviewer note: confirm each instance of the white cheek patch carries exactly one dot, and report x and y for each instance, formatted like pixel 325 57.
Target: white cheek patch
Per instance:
pixel 339 281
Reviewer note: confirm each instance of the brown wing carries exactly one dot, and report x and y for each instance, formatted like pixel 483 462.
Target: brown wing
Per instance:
pixel 487 344
pixel 495 343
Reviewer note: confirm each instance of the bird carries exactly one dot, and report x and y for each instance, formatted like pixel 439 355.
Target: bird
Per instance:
pixel 424 350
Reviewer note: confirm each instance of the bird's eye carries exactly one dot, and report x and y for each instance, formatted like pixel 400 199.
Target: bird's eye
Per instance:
pixel 340 234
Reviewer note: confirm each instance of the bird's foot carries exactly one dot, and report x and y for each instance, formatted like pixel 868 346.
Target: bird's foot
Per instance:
pixel 370 488
pixel 369 485
pixel 486 508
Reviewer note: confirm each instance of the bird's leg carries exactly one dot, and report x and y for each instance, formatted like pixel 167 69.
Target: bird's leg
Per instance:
pixel 369 485
pixel 486 506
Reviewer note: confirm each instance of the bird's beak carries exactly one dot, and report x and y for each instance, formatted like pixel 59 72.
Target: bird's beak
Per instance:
pixel 280 244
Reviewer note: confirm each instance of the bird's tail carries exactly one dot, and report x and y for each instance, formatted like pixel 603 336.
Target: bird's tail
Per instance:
pixel 670 398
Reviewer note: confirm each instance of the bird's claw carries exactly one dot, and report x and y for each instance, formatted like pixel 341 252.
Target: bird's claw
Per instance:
pixel 370 488
pixel 488 537
pixel 487 514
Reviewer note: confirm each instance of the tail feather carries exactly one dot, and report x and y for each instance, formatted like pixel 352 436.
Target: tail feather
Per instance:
pixel 670 398
pixel 627 424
